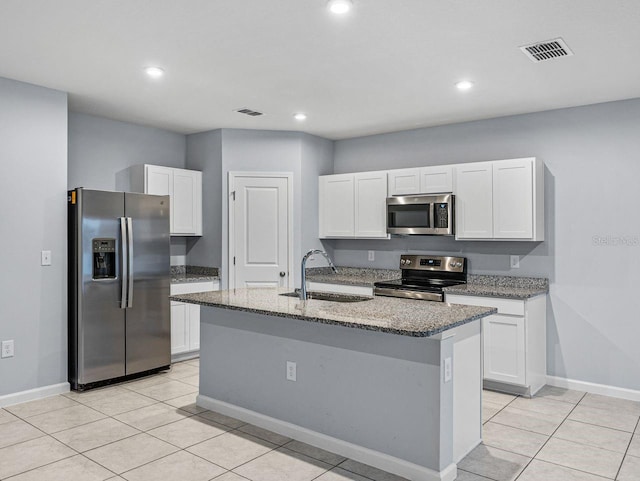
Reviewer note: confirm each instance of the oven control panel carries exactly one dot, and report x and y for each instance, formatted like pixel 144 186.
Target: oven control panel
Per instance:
pixel 433 263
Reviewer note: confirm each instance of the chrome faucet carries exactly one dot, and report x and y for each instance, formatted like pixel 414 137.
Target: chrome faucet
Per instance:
pixel 303 269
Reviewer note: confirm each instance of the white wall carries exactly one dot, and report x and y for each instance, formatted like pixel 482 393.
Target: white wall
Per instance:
pixel 592 157
pixel 33 205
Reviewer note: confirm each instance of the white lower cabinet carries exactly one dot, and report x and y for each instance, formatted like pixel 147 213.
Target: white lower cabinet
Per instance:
pixel 504 349
pixel 185 318
pixel 513 342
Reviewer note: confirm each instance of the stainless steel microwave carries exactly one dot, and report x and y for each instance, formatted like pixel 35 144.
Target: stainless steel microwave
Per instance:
pixel 421 214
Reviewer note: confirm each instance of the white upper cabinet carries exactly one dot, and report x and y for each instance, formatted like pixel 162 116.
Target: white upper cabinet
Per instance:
pixel 404 181
pixel 436 179
pixel 337 201
pixel 187 202
pixel 353 205
pixel 184 187
pixel 500 200
pixel 474 201
pixel 518 199
pixel 424 180
pixel 370 204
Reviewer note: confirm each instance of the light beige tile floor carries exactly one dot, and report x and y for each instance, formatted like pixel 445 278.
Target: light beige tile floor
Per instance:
pixel 151 429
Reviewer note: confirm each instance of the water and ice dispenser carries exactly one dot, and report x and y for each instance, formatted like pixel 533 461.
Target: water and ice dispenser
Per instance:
pixel 104 258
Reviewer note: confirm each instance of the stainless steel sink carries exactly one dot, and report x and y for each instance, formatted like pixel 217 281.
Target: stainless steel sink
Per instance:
pixel 330 296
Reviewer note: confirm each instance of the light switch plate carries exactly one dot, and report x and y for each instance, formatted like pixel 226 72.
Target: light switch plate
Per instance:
pixel 372 255
pixel 515 262
pixel 45 258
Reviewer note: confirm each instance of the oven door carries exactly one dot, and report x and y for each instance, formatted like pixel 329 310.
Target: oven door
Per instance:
pixel 420 215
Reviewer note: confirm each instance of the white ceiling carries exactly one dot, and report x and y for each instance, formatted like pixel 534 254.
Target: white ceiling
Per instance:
pixel 388 65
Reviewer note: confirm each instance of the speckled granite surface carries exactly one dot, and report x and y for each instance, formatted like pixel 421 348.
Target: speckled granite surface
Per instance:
pixel 182 274
pixel 508 287
pixel 353 276
pixel 385 314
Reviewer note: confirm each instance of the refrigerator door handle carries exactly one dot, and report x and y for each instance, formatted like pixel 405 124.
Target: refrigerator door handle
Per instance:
pixel 130 261
pixel 124 269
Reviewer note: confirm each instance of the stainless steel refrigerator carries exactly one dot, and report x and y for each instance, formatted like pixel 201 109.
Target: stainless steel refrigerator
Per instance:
pixel 119 279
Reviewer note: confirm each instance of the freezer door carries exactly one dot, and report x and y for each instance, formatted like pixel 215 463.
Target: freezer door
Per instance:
pixel 148 321
pixel 100 325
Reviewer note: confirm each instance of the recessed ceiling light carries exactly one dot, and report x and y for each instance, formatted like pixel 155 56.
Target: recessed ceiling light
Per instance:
pixel 339 7
pixel 464 85
pixel 300 116
pixel 154 72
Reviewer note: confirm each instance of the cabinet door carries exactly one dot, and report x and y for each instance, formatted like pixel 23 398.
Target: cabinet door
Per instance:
pixel 403 181
pixel 187 204
pixel 336 206
pixel 370 204
pixel 159 181
pixel 436 179
pixel 504 348
pixel 179 327
pixel 474 201
pixel 513 199
pixel 194 327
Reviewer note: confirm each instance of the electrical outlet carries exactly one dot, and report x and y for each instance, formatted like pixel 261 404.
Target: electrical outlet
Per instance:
pixel 372 255
pixel 7 349
pixel 448 369
pixel 45 258
pixel 291 371
pixel 515 262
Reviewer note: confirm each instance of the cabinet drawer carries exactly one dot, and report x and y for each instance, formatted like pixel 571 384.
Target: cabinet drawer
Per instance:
pixel 513 307
pixel 192 287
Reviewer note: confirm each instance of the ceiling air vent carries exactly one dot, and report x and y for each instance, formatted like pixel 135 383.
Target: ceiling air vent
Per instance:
pixel 249 112
pixel 547 50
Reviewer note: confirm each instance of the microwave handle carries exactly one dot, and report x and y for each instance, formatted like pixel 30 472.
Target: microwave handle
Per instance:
pixel 432 215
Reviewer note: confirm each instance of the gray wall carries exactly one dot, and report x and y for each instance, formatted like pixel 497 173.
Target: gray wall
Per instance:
pixel 33 149
pixel 204 153
pixel 218 152
pixel 317 159
pixel 592 157
pixel 101 150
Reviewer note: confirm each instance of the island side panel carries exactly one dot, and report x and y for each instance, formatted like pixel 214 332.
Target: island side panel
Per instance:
pixel 372 389
pixel 467 389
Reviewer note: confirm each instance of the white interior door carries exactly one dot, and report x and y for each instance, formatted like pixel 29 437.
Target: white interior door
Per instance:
pixel 260 227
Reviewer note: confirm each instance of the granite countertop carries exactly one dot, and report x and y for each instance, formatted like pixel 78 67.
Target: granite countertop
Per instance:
pixel 185 274
pixel 508 287
pixel 353 276
pixel 385 314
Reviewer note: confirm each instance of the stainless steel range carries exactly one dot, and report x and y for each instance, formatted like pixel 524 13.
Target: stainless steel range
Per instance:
pixel 424 277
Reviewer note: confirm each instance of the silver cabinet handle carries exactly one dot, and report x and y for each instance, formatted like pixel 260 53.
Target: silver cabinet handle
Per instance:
pixel 130 261
pixel 283 273
pixel 124 266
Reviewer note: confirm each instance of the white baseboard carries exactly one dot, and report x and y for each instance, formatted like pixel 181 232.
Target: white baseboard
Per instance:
pixel 185 356
pixel 373 458
pixel 33 394
pixel 593 388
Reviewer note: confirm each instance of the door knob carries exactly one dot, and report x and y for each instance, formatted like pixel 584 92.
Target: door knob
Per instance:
pixel 282 274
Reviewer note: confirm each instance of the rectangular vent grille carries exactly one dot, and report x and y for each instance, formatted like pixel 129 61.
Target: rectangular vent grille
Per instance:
pixel 547 50
pixel 249 112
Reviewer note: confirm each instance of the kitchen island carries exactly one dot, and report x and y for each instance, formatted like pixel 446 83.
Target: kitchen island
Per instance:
pixel 389 382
